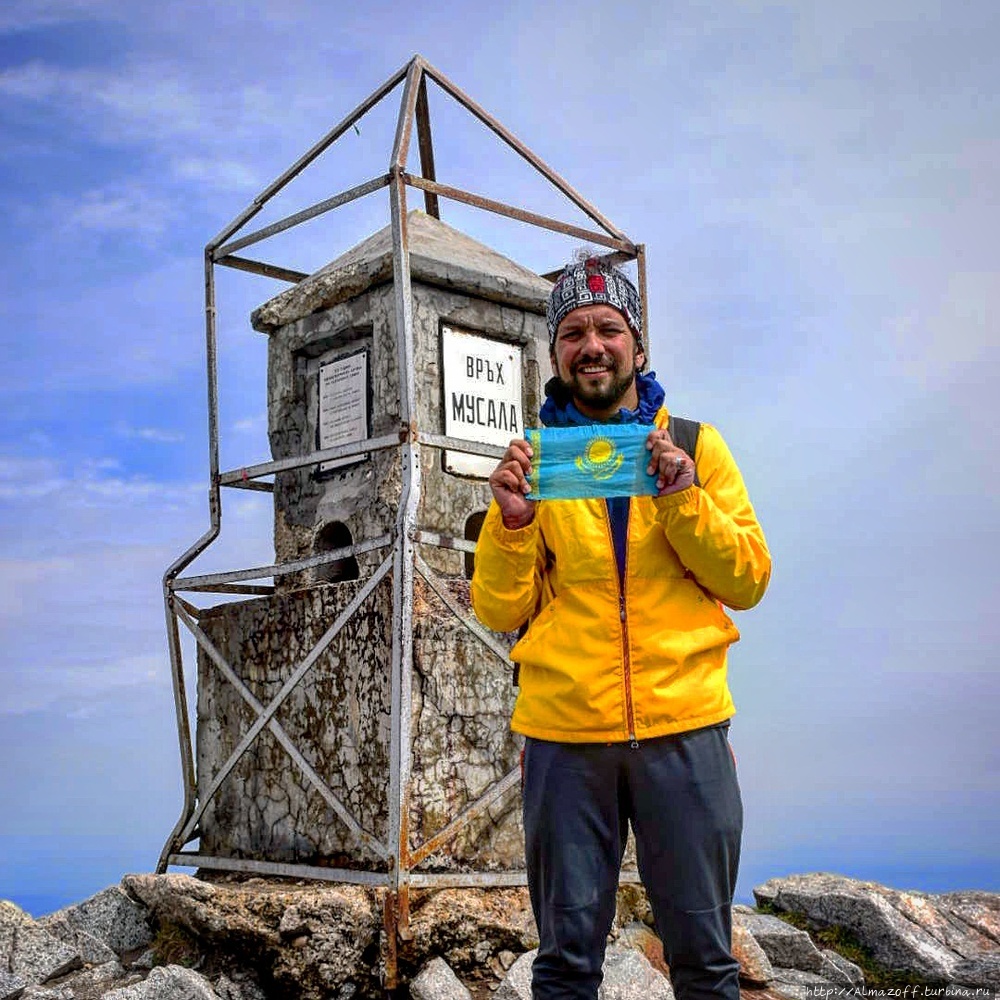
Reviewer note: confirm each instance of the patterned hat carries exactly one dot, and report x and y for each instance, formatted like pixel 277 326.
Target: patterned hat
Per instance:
pixel 593 282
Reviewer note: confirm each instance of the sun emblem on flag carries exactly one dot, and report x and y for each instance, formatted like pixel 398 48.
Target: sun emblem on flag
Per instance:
pixel 601 459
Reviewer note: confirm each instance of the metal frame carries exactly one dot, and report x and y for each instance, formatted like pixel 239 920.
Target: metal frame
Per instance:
pixel 403 558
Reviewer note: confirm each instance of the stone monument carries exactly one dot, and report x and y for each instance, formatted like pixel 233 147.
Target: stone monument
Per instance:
pixel 480 352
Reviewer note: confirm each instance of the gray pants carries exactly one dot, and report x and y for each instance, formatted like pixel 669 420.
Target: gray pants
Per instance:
pixel 682 798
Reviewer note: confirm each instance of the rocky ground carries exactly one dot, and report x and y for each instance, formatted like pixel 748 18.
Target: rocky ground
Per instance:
pixel 175 937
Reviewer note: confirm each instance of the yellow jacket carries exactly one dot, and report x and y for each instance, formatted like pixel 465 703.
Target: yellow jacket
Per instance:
pixel 598 664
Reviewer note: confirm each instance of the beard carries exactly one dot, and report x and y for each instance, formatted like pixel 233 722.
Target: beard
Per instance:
pixel 599 395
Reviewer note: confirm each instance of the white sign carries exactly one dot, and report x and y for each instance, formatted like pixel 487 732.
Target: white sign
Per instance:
pixel 343 405
pixel 482 396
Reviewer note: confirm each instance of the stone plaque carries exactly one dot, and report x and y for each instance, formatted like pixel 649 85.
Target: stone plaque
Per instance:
pixel 482 396
pixel 343 405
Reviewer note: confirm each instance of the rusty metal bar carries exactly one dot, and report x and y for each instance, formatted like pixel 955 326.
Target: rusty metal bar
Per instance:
pixel 230 588
pixel 286 689
pixel 303 161
pixel 215 520
pixel 460 444
pixel 522 215
pixel 644 295
pixel 235 476
pixel 259 267
pixel 400 750
pixel 403 914
pixel 407 108
pixel 320 208
pixel 390 942
pixel 191 609
pixel 473 809
pixel 543 168
pixel 426 146
pixel 456 880
pixel 485 637
pixel 251 484
pixel 276 729
pixel 281 569
pixel 444 541
pixel 190 859
pixel 183 733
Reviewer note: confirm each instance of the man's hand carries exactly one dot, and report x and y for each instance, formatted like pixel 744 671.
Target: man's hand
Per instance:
pixel 509 483
pixel 673 469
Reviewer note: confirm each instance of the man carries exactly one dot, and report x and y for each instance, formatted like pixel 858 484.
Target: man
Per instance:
pixel 622 670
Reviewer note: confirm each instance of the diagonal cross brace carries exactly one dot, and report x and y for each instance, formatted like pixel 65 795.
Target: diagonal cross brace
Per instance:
pixel 286 689
pixel 493 793
pixel 434 582
pixel 282 737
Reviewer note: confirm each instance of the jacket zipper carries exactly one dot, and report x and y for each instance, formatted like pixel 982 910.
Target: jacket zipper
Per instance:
pixel 626 662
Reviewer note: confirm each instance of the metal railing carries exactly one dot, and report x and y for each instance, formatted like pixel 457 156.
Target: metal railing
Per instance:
pixel 402 560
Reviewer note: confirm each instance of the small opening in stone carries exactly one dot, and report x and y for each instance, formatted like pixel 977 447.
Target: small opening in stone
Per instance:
pixel 473 525
pixel 335 535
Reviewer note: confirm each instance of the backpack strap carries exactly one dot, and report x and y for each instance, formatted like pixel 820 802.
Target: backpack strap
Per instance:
pixel 684 433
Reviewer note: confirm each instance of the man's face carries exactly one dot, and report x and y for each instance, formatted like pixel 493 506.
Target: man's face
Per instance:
pixel 595 356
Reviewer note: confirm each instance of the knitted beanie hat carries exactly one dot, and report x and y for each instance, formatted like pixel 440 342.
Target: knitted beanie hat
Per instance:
pixel 593 282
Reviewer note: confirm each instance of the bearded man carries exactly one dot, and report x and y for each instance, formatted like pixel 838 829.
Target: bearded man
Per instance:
pixel 623 699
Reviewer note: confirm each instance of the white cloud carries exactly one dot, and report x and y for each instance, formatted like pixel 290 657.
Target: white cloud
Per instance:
pixel 18 577
pixel 155 435
pixel 251 425
pixel 29 478
pixel 142 326
pixel 226 174
pixel 81 606
pixel 20 15
pixel 133 210
pixel 91 484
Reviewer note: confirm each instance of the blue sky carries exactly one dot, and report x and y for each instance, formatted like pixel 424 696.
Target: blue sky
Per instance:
pixel 817 185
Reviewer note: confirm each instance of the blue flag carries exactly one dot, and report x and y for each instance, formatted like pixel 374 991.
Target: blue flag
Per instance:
pixel 592 460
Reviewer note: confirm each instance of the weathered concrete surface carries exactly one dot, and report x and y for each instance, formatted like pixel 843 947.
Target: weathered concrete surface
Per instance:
pixel 338 714
pixel 338 717
pixel 439 255
pixel 364 496
pixel 935 937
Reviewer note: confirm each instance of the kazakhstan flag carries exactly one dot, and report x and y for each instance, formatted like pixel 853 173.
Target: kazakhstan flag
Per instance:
pixel 592 460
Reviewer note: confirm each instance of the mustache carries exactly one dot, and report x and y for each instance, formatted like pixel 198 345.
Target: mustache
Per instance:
pixel 597 359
